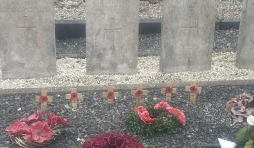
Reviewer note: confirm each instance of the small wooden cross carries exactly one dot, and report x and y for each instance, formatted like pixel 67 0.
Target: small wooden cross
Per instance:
pixel 169 90
pixel 193 89
pixel 110 95
pixel 43 99
pixel 74 96
pixel 139 93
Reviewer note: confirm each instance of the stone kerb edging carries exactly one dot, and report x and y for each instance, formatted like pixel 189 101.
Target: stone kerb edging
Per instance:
pixel 124 86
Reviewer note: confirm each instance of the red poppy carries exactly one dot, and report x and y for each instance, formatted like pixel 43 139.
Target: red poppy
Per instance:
pixel 32 118
pixel 62 121
pixel 193 89
pixel 74 96
pixel 18 128
pixel 40 132
pixel 40 113
pixel 43 99
pixel 139 93
pixel 169 90
pixel 165 119
pixel 110 95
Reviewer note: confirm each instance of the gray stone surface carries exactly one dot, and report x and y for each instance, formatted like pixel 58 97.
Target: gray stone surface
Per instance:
pixel 27 38
pixel 112 36
pixel 187 35
pixel 245 49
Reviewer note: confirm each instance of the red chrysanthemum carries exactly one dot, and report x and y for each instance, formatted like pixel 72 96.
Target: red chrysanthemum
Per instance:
pixel 119 141
pixel 193 89
pixel 161 105
pixel 74 96
pixel 110 95
pixel 40 132
pixel 87 144
pixel 169 90
pixel 18 128
pixel 43 99
pixel 178 114
pixel 112 140
pixel 139 93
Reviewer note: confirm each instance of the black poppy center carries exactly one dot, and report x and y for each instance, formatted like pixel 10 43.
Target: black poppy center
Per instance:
pixel 109 94
pixel 44 99
pixel 38 133
pixel 193 88
pixel 74 96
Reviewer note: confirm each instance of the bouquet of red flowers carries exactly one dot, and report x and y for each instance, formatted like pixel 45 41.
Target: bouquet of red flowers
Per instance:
pixel 38 130
pixel 116 140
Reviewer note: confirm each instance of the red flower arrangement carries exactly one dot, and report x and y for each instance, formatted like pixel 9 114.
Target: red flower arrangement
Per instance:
pixel 35 129
pixel 139 93
pixel 110 95
pixel 144 115
pixel 193 89
pixel 74 96
pixel 116 140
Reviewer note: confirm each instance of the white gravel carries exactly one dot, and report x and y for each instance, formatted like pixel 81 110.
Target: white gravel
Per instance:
pixel 72 72
pixel 225 9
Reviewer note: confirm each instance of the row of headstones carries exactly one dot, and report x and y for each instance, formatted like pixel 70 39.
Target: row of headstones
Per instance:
pixel 27 37
pixel 110 95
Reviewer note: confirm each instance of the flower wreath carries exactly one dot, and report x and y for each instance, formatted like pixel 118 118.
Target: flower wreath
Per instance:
pixel 237 107
pixel 153 119
pixel 36 131
pixel 116 140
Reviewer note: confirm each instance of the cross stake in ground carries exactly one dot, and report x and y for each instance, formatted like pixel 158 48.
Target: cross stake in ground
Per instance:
pixel 169 90
pixel 138 93
pixel 194 90
pixel 74 96
pixel 43 99
pixel 110 95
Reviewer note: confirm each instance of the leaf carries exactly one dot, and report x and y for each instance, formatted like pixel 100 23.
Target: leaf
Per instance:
pixel 249 144
pixel 244 133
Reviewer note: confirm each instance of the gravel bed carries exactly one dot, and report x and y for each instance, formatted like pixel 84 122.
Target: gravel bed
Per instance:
pixel 148 42
pixel 223 68
pixel 206 120
pixel 225 9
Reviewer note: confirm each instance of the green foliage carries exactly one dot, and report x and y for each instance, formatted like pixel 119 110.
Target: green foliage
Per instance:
pixel 78 146
pixel 245 137
pixel 134 123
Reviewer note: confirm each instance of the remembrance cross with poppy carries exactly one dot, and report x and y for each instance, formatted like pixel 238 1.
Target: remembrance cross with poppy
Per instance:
pixel 193 90
pixel 139 93
pixel 110 95
pixel 74 96
pixel 168 90
pixel 43 99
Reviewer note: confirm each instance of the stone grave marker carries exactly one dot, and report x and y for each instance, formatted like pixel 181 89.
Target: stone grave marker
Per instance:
pixel 110 95
pixel 193 90
pixel 168 90
pixel 112 36
pixel 187 35
pixel 245 48
pixel 43 99
pixel 27 38
pixel 138 93
pixel 74 96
